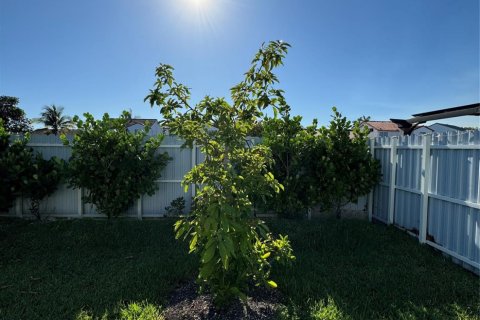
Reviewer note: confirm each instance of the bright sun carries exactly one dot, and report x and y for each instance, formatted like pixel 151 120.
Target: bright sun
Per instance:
pixel 199 3
pixel 205 15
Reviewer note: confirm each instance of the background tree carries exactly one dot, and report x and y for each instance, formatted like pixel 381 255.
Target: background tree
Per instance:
pixel 42 179
pixel 24 172
pixel 13 118
pixel 327 166
pixel 299 163
pixel 114 166
pixel 15 160
pixel 355 171
pixel 257 129
pixel 233 247
pixel 53 119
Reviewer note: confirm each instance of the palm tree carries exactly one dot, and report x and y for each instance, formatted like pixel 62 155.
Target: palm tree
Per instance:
pixel 52 118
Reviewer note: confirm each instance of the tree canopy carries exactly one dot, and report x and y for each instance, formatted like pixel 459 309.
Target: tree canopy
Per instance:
pixel 113 165
pixel 53 118
pixel 13 118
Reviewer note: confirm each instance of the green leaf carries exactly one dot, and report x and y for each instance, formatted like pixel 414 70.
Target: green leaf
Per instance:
pixel 266 255
pixel 209 254
pixel 272 284
pixel 263 229
pixel 177 225
pixel 193 243
pixel 223 255
pixel 207 269
pixel 229 245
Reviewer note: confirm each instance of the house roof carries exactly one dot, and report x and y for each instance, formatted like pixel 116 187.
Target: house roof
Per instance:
pixel 382 125
pixel 49 131
pixel 41 131
pixel 449 126
pixel 140 121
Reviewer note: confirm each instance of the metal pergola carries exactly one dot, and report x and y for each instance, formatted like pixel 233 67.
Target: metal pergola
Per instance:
pixel 408 125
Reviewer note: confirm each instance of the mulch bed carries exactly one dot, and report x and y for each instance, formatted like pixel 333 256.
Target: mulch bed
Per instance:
pixel 187 304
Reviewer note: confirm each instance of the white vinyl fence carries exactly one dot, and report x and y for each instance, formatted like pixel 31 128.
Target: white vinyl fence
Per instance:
pixel 66 202
pixel 430 187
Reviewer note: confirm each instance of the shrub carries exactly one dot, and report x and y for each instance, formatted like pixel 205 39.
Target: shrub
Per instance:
pixel 355 171
pixel 114 166
pixel 15 160
pixel 176 207
pixel 299 162
pixel 24 172
pixel 233 247
pixel 330 166
pixel 43 178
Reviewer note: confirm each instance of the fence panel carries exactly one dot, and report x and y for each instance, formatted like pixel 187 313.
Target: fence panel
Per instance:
pixel 407 210
pixel 154 206
pixel 66 202
pixel 381 196
pixel 450 202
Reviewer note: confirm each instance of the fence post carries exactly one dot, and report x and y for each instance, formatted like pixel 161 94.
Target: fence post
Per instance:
pixel 194 163
pixel 80 202
pixel 19 207
pixel 370 195
pixel 393 173
pixel 424 184
pixel 139 208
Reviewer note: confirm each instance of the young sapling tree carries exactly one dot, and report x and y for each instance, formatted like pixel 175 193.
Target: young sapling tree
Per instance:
pixel 234 248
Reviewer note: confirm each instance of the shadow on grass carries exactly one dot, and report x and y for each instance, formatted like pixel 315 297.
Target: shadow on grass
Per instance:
pixel 351 269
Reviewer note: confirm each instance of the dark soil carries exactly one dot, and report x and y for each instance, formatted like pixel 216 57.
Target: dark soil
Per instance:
pixel 187 304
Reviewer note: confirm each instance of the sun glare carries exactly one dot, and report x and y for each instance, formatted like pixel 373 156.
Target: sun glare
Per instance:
pixel 199 3
pixel 205 15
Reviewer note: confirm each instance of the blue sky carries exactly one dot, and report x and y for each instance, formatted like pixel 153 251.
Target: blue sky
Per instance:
pixel 384 59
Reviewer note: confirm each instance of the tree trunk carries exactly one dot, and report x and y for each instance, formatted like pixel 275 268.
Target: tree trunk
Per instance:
pixel 338 210
pixel 35 208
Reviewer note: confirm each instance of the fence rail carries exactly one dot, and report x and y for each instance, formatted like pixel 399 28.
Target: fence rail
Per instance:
pixel 431 188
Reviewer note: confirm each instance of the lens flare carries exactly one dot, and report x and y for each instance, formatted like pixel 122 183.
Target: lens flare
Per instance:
pixel 199 3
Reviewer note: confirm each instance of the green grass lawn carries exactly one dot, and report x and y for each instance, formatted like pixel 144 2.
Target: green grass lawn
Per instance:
pixel 347 269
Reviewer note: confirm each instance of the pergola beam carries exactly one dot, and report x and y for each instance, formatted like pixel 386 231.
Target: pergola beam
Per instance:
pixel 409 125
